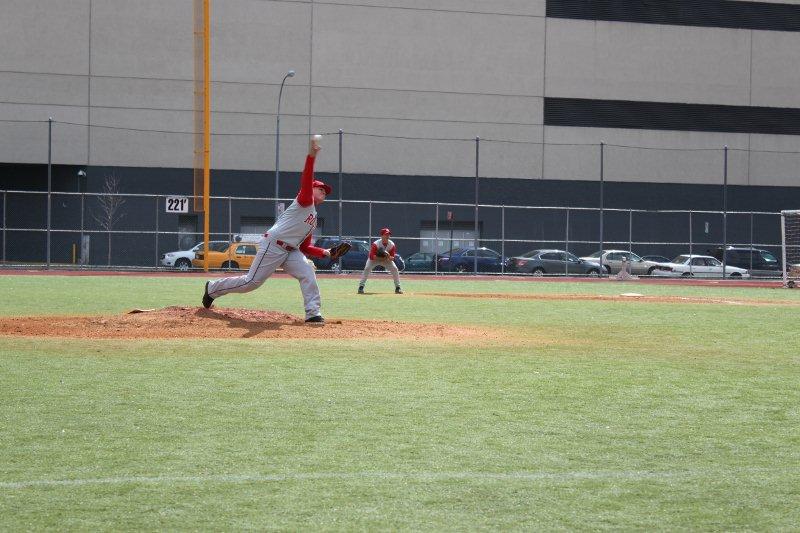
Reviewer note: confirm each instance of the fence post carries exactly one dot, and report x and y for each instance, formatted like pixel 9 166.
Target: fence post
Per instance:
pixel 751 241
pixel 566 243
pixel 630 230
pixel 503 239
pixel 602 186
pixel 725 213
pixel 230 219
pixel 370 221
pixel 157 204
pixel 83 227
pixel 436 242
pixel 4 225
pixel 49 182
pixel 691 239
pixel 477 177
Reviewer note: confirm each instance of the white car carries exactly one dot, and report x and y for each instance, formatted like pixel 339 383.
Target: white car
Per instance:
pixel 701 266
pixel 182 260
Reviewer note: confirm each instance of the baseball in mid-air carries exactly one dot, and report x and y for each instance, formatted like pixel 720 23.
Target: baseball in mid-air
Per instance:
pixel 317 137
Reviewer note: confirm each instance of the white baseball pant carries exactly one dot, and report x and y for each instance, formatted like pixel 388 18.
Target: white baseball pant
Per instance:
pixel 270 257
pixel 386 263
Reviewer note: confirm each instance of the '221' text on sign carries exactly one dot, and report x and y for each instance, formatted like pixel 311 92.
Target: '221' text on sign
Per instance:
pixel 177 204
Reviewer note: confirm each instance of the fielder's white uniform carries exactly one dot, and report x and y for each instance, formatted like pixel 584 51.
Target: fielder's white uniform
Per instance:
pixel 285 244
pixel 386 262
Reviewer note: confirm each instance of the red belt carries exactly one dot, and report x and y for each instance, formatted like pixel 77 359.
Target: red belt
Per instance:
pixel 287 247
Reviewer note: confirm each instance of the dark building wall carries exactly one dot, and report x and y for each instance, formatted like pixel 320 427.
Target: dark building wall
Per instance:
pixel 546 227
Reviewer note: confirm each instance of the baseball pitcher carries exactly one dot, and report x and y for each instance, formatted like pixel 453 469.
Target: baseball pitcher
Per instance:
pixel 382 253
pixel 285 244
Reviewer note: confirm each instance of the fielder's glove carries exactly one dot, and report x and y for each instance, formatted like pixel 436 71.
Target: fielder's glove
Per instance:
pixel 339 250
pixel 381 254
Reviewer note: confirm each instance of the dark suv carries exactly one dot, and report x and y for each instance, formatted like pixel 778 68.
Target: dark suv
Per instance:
pixel 760 263
pixel 355 259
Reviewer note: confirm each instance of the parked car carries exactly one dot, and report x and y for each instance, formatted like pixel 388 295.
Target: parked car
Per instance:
pixel 612 261
pixel 541 262
pixel 182 259
pixel 700 266
pixel 236 255
pixel 355 259
pixel 421 262
pixel 463 260
pixel 656 258
pixel 760 263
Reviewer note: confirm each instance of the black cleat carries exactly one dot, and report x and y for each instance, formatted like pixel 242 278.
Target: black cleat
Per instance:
pixel 398 290
pixel 360 290
pixel 315 320
pixel 207 300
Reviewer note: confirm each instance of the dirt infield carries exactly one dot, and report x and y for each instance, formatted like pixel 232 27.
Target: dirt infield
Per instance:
pixel 196 323
pixel 615 298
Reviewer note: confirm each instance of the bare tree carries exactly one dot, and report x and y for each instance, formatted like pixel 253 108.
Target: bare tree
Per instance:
pixel 109 213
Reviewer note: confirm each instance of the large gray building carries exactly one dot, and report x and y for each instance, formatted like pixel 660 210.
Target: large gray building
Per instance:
pixel 665 85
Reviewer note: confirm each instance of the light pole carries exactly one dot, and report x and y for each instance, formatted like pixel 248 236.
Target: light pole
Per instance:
pixel 289 74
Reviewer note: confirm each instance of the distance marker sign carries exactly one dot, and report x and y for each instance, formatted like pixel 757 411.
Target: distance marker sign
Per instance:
pixel 177 204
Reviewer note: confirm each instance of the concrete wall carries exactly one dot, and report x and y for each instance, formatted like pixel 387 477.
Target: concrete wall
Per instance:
pixel 423 69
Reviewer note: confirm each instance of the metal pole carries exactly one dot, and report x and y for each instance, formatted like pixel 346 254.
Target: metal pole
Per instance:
pixel 725 214
pixel 691 239
pixel 503 239
pixel 341 133
pixel 278 143
pixel 436 243
pixel 630 230
pixel 751 241
pixel 784 272
pixel 566 243
pixel 157 198
pixel 83 199
pixel 49 182
pixel 477 177
pixel 230 219
pixel 370 221
pixel 602 186
pixel 4 226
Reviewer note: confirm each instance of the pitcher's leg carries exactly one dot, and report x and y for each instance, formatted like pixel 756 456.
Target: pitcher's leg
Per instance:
pixel 268 258
pixel 297 267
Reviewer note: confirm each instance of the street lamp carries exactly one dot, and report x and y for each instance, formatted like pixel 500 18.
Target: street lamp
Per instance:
pixel 289 74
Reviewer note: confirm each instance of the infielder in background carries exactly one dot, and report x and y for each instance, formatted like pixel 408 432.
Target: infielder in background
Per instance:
pixel 382 253
pixel 286 244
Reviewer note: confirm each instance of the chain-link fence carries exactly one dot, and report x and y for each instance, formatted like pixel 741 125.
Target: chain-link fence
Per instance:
pixel 108 226
pixel 136 231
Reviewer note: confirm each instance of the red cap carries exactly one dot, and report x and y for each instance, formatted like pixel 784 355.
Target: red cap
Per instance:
pixel 385 231
pixel 325 186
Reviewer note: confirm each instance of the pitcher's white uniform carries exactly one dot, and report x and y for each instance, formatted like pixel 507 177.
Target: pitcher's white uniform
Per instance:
pixel 285 244
pixel 387 261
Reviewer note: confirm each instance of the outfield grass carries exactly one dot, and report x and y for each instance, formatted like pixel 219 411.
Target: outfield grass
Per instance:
pixel 637 416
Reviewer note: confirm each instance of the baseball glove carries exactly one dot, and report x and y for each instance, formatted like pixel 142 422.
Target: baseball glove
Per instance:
pixel 381 253
pixel 339 250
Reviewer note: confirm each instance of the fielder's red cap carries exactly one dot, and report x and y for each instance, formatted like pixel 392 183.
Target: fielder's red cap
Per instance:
pixel 325 186
pixel 385 231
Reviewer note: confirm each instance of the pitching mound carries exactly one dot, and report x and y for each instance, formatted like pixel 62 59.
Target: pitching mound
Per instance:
pixel 196 322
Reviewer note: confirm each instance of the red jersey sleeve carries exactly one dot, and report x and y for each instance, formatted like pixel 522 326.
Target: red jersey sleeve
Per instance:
pixel 373 252
pixel 392 251
pixel 306 195
pixel 307 248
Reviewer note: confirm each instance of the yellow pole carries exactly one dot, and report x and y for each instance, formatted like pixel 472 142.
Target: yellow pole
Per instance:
pixel 206 127
pixel 73 253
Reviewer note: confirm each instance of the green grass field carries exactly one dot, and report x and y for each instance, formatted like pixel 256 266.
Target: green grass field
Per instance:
pixel 634 416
